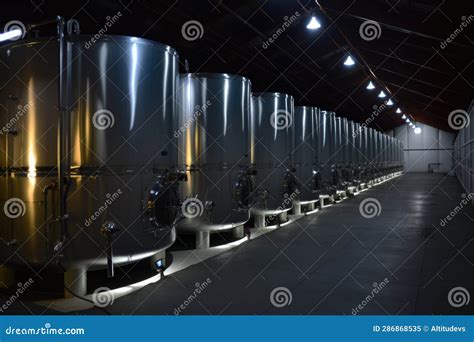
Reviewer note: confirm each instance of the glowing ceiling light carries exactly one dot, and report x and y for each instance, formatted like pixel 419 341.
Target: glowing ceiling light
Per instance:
pixel 11 34
pixel 404 116
pixel 398 111
pixel 349 61
pixel 407 120
pixel 417 130
pixel 382 94
pixel 370 86
pixel 313 24
pixel 389 102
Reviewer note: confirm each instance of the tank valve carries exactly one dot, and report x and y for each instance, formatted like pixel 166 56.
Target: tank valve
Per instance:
pixel 108 230
pixel 209 205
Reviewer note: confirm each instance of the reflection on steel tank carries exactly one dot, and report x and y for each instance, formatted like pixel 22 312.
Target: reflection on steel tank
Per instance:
pixel 273 142
pixel 327 151
pixel 90 163
pixel 214 151
pixel 305 158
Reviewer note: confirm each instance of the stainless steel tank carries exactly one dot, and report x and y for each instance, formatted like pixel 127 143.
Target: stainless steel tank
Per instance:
pixel 272 143
pixel 378 152
pixel 325 138
pixel 339 147
pixel 326 151
pixel 108 196
pixel 357 136
pixel 347 170
pixel 352 163
pixel 214 151
pixel 305 158
pixel 358 156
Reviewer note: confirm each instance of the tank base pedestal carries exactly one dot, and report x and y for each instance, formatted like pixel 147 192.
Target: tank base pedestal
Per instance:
pixel 323 198
pixel 351 191
pixel 203 240
pixel 76 281
pixel 259 221
pixel 238 232
pixel 297 208
pixel 262 220
pixel 7 277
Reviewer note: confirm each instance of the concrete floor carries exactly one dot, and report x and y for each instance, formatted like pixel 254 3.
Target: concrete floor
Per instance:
pixel 330 261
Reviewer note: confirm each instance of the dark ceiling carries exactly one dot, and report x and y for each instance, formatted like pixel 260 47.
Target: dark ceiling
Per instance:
pixel 426 80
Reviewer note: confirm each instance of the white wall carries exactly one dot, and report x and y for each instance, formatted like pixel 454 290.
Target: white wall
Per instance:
pixel 431 146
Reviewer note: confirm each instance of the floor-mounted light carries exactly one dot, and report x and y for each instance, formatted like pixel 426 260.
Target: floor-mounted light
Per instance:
pixel 389 102
pixel 398 111
pixel 349 61
pixel 313 24
pixel 370 86
pixel 382 94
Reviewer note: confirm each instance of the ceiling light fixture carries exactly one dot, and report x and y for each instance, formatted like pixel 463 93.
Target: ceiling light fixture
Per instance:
pixel 349 61
pixel 382 94
pixel 389 102
pixel 370 86
pixel 313 24
pixel 398 111
pixel 10 35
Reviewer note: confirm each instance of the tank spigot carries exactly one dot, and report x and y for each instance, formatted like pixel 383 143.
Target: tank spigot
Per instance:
pixel 108 230
pixel 209 205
